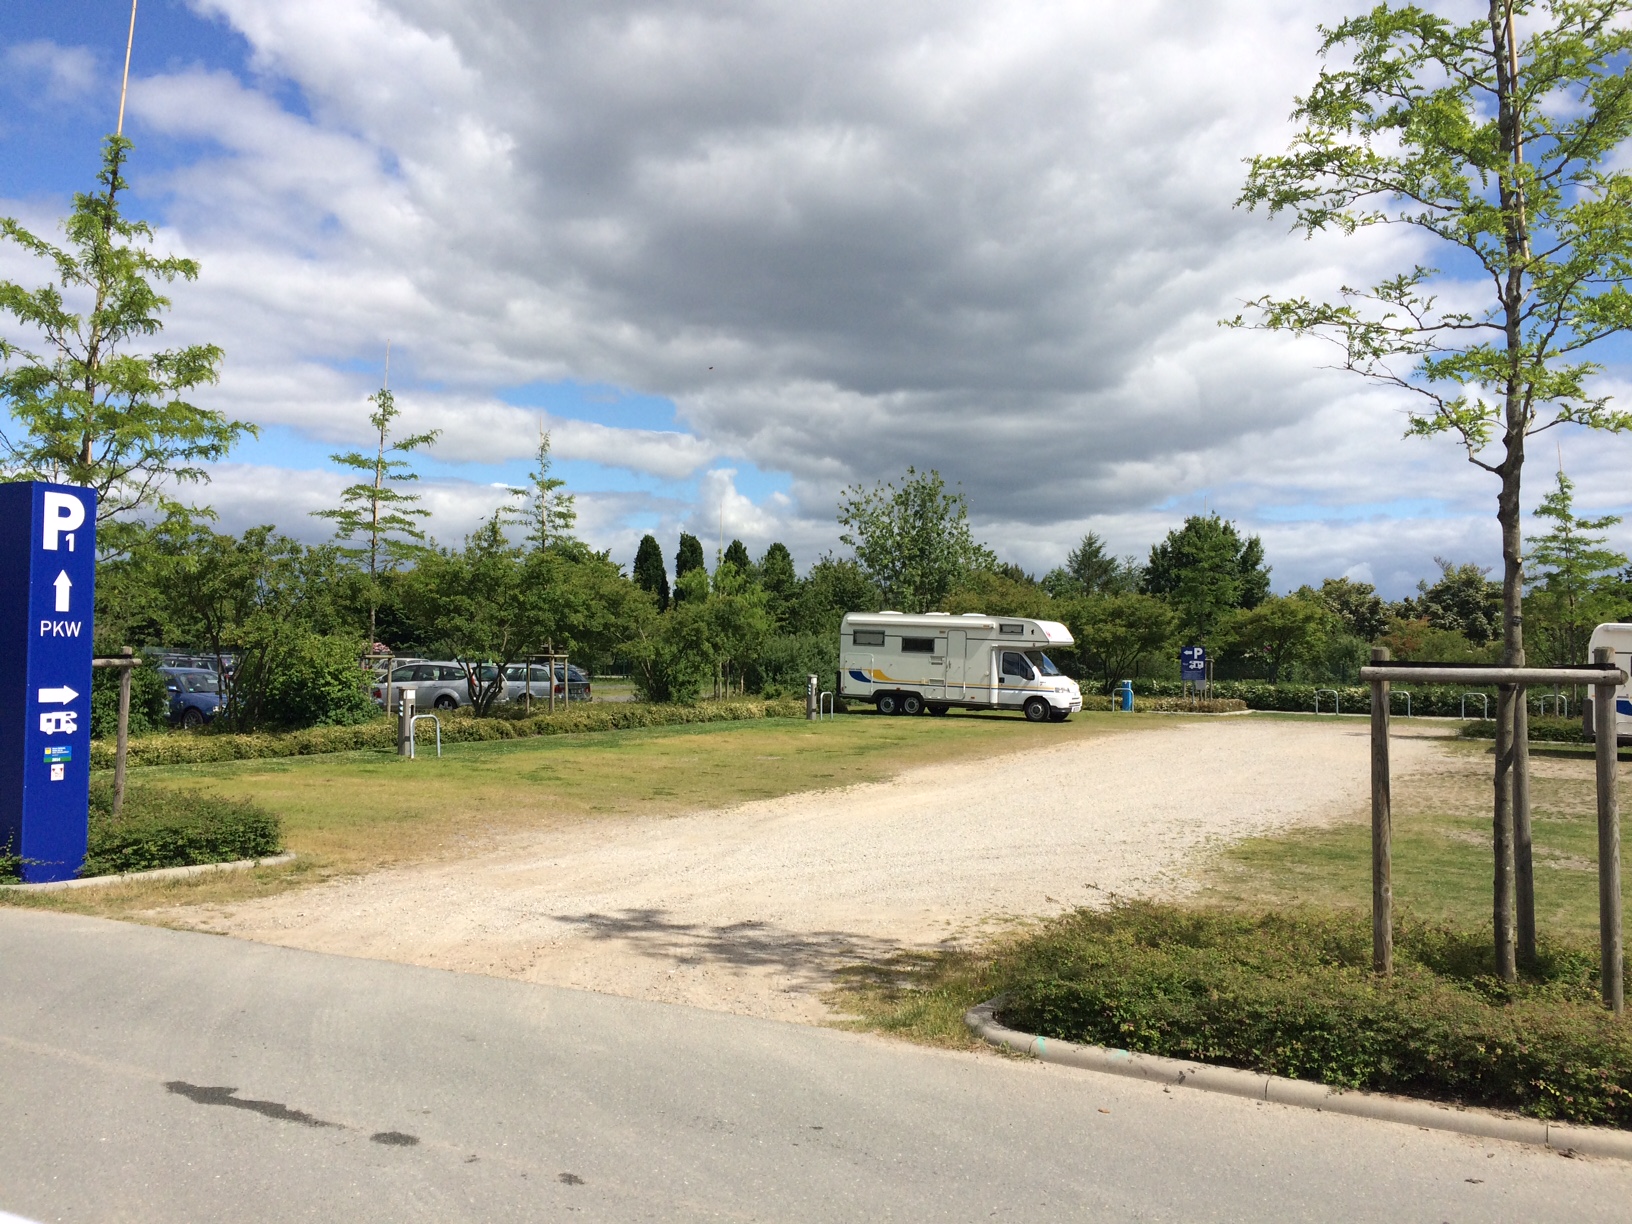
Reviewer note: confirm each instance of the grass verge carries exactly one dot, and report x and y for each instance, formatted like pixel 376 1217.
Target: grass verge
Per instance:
pixel 1287 993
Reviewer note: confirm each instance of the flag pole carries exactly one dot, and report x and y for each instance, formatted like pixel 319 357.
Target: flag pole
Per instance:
pixel 130 41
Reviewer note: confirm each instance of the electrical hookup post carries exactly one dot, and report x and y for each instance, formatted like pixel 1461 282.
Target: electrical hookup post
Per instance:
pixel 48 563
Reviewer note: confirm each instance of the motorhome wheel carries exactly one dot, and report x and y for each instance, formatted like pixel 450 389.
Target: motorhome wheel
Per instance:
pixel 888 703
pixel 1036 710
pixel 911 703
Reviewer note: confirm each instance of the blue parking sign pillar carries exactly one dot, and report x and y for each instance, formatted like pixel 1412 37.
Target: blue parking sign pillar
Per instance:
pixel 48 556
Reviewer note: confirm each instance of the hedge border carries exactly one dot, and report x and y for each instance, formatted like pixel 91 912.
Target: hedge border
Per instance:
pixel 174 748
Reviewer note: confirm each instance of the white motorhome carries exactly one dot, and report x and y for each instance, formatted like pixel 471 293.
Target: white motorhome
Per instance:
pixel 907 664
pixel 1619 639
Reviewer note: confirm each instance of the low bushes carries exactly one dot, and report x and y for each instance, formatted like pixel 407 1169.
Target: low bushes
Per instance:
pixel 457 727
pixel 1440 700
pixel 1542 730
pixel 1292 994
pixel 174 828
pixel 1168 705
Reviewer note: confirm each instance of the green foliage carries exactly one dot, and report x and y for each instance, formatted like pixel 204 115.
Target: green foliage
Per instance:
pixel 688 559
pixel 832 588
pixel 649 573
pixel 1509 153
pixel 1463 601
pixel 319 683
pixel 1280 631
pixel 1417 641
pixel 736 554
pixel 913 542
pixel 671 658
pixel 781 583
pixel 1542 730
pixel 546 512
pixel 1117 635
pixel 997 594
pixel 1292 994
pixel 90 411
pixel 161 827
pixel 1573 575
pixel 459 726
pixel 1091 570
pixel 1205 570
pixel 149 701
pixel 1355 604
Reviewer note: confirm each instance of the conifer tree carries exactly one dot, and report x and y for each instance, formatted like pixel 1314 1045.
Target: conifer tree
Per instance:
pixel 649 572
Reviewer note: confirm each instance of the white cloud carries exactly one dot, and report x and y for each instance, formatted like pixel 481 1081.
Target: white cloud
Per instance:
pixel 990 238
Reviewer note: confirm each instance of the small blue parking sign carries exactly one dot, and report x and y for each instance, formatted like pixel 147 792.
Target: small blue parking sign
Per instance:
pixel 1193 664
pixel 48 554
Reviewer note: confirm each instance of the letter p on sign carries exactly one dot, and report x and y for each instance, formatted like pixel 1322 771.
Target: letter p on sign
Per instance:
pixel 63 513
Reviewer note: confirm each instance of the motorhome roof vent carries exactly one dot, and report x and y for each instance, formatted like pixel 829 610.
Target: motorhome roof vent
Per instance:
pixel 891 612
pixel 974 614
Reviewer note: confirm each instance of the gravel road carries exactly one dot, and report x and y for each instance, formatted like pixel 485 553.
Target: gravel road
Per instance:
pixel 748 909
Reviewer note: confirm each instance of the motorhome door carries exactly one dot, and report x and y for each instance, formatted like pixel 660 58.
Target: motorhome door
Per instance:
pixel 956 648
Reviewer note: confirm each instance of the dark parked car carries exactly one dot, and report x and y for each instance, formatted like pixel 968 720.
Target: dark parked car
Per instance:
pixel 195 694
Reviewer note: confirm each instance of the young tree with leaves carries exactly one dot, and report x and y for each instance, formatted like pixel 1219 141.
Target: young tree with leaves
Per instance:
pixel 1570 570
pixel 649 574
pixel 1116 634
pixel 1280 631
pixel 546 512
pixel 1508 154
pixel 1205 570
pixel 87 410
pixel 914 540
pixel 381 518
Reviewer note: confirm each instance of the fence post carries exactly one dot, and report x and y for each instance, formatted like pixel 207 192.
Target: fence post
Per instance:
pixel 1524 875
pixel 1382 827
pixel 1609 839
pixel 1502 837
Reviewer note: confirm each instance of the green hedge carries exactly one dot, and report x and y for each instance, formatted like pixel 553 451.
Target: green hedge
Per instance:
pixel 458 727
pixel 1167 705
pixel 1542 730
pixel 1292 994
pixel 160 827
pixel 1439 700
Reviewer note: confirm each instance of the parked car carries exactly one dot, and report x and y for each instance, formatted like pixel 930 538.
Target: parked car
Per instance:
pixel 573 685
pixel 195 694
pixel 436 685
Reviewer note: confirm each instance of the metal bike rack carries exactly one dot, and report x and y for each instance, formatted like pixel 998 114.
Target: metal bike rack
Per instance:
pixel 1400 693
pixel 1484 704
pixel 1337 700
pixel 1561 705
pixel 421 718
pixel 824 708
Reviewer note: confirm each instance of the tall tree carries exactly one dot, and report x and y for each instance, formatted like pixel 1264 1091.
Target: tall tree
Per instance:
pixel 781 582
pixel 1205 570
pixel 88 410
pixel 650 575
pixel 382 518
pixel 1571 569
pixel 1116 634
pixel 545 511
pixel 736 553
pixel 1507 154
pixel 1355 604
pixel 688 558
pixel 1281 630
pixel 914 540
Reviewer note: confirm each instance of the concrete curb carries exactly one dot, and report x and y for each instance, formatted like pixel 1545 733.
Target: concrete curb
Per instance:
pixel 1482 1123
pixel 160 873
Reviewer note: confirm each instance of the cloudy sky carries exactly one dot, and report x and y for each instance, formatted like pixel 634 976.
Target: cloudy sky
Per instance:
pixel 737 255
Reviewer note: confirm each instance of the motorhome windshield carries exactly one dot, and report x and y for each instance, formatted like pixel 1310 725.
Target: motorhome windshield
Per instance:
pixel 1042 663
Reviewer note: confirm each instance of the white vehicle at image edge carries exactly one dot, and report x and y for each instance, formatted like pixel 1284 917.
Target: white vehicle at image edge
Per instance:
pixel 908 664
pixel 1619 639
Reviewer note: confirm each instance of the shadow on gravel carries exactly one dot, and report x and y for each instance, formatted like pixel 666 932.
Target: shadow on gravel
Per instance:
pixel 812 955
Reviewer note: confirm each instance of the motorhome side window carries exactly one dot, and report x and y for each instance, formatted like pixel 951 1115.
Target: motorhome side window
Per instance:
pixel 1012 630
pixel 1016 665
pixel 918 645
pixel 868 637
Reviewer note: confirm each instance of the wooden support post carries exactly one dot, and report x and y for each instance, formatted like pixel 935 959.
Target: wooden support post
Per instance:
pixel 1502 837
pixel 1524 874
pixel 122 736
pixel 1382 827
pixel 1609 840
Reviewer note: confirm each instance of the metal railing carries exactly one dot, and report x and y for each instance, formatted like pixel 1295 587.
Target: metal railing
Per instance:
pixel 1401 693
pixel 420 718
pixel 824 706
pixel 1337 700
pixel 1561 705
pixel 1484 704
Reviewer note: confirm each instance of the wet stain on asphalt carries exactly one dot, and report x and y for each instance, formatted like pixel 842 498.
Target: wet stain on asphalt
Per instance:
pixel 202 1095
pixel 570 1179
pixel 395 1139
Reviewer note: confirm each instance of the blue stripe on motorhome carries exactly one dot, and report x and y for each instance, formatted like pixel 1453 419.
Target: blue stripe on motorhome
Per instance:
pixel 860 675
pixel 1623 705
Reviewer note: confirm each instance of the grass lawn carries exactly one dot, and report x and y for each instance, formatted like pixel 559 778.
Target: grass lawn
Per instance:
pixel 355 811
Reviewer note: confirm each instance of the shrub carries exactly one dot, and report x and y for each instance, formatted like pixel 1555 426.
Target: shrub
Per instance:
pixel 1292 994
pixel 160 827
pixel 1543 730
pixel 457 727
pixel 318 683
pixel 149 701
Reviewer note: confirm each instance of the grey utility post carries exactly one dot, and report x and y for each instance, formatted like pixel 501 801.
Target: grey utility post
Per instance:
pixel 1609 838
pixel 405 722
pixel 812 700
pixel 1382 827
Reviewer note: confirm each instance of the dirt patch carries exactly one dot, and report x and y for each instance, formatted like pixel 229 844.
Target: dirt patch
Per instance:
pixel 749 909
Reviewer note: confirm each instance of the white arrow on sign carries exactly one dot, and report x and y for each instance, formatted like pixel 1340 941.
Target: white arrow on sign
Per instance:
pixel 57 696
pixel 64 584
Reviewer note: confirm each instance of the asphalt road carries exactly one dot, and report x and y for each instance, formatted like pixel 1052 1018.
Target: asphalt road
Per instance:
pixel 152 1075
